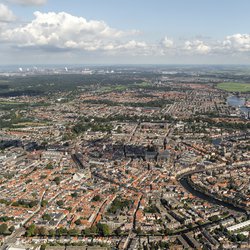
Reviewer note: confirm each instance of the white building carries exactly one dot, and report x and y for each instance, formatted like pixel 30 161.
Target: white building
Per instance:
pixel 239 226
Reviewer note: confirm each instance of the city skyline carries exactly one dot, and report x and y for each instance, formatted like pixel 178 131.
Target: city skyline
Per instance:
pixel 139 32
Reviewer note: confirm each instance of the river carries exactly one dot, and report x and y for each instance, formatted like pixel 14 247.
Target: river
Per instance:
pixel 238 102
pixel 190 189
pixel 235 101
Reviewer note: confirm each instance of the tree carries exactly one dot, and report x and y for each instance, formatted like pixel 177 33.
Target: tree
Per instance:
pixel 52 233
pixel 74 195
pixel 28 181
pixel 138 230
pixel 91 230
pixel 61 231
pixel 96 198
pixel 78 222
pixel 43 247
pixel 73 232
pixel 31 230
pixel 151 209
pixel 86 231
pixel 60 203
pixel 6 218
pixel 43 231
pixel 46 217
pixel 103 229
pixel 168 231
pixel 241 237
pixel 33 204
pixel 119 130
pixel 118 231
pixel 79 209
pixel 3 228
pixel 214 218
pixel 12 229
pixel 57 180
pixel 119 204
pixel 69 208
pixel 49 166
pixel 44 203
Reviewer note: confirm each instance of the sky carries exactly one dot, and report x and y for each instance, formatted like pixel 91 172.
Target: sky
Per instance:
pixel 124 32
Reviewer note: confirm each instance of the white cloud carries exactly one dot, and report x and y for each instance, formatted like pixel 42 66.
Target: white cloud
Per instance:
pixel 64 31
pixel 6 15
pixel 29 2
pixel 237 42
pixel 197 46
pixel 72 34
pixel 167 43
pixel 133 45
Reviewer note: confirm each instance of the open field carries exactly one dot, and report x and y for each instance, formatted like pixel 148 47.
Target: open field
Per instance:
pixel 143 84
pixel 112 88
pixel 234 86
pixel 12 103
pixel 30 124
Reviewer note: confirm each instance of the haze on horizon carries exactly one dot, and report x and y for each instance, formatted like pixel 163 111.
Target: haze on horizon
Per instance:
pixel 124 32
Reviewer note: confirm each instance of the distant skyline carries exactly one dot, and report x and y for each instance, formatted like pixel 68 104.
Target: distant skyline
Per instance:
pixel 124 32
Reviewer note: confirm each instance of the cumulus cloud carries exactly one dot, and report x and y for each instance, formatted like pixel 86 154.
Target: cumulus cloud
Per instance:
pixel 167 43
pixel 6 15
pixel 65 31
pixel 237 42
pixel 29 2
pixel 134 45
pixel 230 45
pixel 197 46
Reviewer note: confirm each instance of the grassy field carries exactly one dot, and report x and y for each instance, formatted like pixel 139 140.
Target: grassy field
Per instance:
pixel 112 88
pixel 143 84
pixel 234 86
pixel 30 124
pixel 13 103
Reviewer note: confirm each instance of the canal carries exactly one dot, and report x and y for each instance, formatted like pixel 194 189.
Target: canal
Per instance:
pixel 190 189
pixel 238 102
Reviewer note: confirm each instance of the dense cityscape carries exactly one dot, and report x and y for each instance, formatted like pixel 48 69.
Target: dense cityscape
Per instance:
pixel 124 125
pixel 125 157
